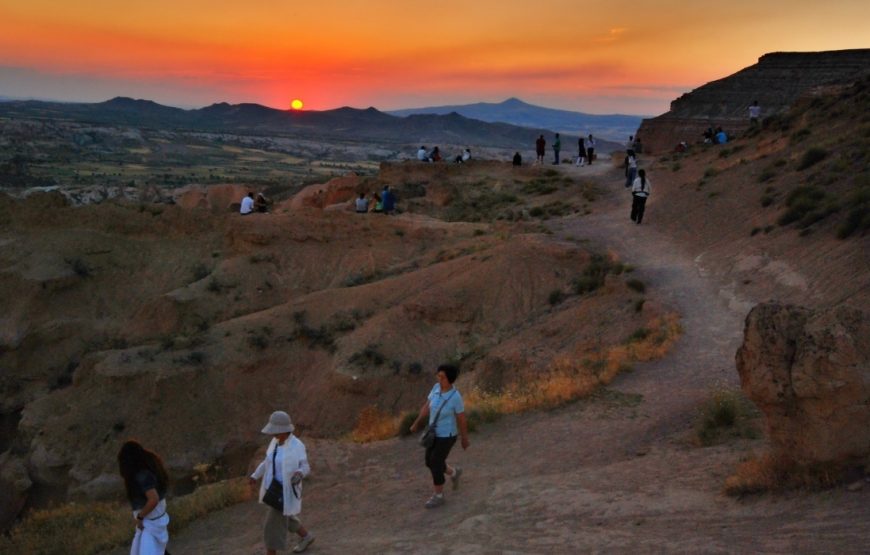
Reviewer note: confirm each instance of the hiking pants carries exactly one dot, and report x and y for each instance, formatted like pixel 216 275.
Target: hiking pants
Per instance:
pixel 589 153
pixel 637 206
pixel 436 458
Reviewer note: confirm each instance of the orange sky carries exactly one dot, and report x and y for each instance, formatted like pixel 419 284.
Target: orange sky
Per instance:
pixel 620 56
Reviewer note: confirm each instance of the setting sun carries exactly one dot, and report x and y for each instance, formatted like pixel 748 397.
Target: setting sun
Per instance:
pixel 296 104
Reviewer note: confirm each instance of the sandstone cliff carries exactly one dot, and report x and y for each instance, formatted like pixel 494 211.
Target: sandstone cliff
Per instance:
pixel 776 81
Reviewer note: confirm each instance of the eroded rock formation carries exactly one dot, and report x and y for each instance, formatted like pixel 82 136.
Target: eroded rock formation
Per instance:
pixel 809 372
pixel 776 81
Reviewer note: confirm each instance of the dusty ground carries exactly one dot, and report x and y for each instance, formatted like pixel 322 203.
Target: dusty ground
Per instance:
pixel 615 473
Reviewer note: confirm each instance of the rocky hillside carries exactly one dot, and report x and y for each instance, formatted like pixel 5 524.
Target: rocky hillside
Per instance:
pixel 183 324
pixel 776 81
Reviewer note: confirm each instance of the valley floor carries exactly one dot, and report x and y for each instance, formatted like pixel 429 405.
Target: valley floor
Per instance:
pixel 617 472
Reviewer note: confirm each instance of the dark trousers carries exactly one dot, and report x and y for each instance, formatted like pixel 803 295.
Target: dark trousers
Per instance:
pixel 589 153
pixel 638 204
pixel 436 458
pixel 556 156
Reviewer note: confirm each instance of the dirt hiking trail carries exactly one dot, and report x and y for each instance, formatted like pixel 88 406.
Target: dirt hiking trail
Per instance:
pixel 615 473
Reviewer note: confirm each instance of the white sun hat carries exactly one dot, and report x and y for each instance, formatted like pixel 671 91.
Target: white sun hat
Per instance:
pixel 279 423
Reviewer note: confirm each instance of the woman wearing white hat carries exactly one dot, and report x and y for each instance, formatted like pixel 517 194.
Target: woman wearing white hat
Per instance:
pixel 281 472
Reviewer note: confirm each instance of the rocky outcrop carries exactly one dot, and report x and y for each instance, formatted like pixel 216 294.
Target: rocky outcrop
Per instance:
pixel 776 81
pixel 809 372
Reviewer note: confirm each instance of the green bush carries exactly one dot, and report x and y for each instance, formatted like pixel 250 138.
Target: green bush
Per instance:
pixel 725 414
pixel 812 157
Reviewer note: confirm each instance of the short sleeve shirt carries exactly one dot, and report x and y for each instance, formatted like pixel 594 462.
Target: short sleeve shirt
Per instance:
pixel 453 405
pixel 144 480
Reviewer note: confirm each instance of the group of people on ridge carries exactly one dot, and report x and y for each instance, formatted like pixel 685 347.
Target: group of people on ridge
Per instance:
pixel 585 150
pixel 383 203
pixel 251 204
pixel 283 468
pixel 434 155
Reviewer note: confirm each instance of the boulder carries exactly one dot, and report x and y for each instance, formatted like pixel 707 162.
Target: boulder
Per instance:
pixel 809 373
pixel 335 191
pixel 14 483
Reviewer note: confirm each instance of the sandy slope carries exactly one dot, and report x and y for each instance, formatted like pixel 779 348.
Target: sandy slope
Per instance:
pixel 615 473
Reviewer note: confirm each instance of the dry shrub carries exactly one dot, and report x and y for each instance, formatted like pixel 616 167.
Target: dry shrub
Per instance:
pixel 776 473
pixel 572 377
pixel 86 528
pixel 374 425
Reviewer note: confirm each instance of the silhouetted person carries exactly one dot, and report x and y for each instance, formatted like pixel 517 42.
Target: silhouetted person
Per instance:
pixel 754 113
pixel 590 149
pixel 261 204
pixel 388 200
pixel 640 191
pixel 361 204
pixel 581 149
pixel 540 149
pixel 557 146
pixel 518 160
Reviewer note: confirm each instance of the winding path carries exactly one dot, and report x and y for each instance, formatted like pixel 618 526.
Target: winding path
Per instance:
pixel 614 473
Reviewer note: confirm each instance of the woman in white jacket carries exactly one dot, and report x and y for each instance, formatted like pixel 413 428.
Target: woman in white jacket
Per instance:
pixel 286 462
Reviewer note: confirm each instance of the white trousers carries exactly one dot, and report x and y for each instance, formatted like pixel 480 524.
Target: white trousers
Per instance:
pixel 154 535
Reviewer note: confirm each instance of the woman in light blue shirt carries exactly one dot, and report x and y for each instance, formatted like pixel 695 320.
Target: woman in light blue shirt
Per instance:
pixel 446 413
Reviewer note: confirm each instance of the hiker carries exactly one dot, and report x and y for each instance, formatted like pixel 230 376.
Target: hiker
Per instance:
pixel 280 475
pixel 518 160
pixel 261 203
pixel 247 206
pixel 435 155
pixel 557 146
pixel 590 149
pixel 629 145
pixel 465 156
pixel 446 416
pixel 630 168
pixel 721 136
pixel 422 154
pixel 361 204
pixel 581 148
pixel 540 149
pixel 388 200
pixel 639 193
pixel 638 146
pixel 708 136
pixel 754 113
pixel 146 481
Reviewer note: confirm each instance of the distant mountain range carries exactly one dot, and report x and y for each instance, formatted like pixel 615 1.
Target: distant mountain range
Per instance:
pixel 616 127
pixel 341 124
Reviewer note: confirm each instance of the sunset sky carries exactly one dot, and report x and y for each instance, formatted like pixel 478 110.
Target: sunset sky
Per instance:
pixel 599 57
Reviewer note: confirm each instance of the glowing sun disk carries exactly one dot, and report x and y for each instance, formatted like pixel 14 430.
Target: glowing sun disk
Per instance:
pixel 296 104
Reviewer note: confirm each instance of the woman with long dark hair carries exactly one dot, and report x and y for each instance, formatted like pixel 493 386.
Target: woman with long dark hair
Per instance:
pixel 145 480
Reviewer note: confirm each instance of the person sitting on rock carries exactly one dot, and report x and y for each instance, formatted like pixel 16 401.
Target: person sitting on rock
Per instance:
pixel 721 136
pixel 362 204
pixel 247 205
pixel 518 160
pixel 261 204
pixel 435 155
pixel 423 154
pixel 379 204
pixel 388 199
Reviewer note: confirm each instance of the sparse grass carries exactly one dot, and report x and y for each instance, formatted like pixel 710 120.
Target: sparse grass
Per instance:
pixel 370 356
pixel 638 335
pixel 262 257
pixel 539 187
pixel 766 200
pixel 93 527
pixel 766 175
pixel 771 473
pixel 807 205
pixel 595 274
pixel 373 425
pixel 214 286
pixel 812 157
pixel 858 219
pixel 710 173
pixel 726 414
pixel 676 166
pixel 755 231
pixel 194 358
pixel 569 378
pixel 638 305
pixel 800 135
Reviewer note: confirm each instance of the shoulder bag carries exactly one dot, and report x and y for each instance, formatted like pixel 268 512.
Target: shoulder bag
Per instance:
pixel 427 439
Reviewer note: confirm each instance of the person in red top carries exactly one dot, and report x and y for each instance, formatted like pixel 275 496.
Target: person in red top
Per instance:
pixel 540 149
